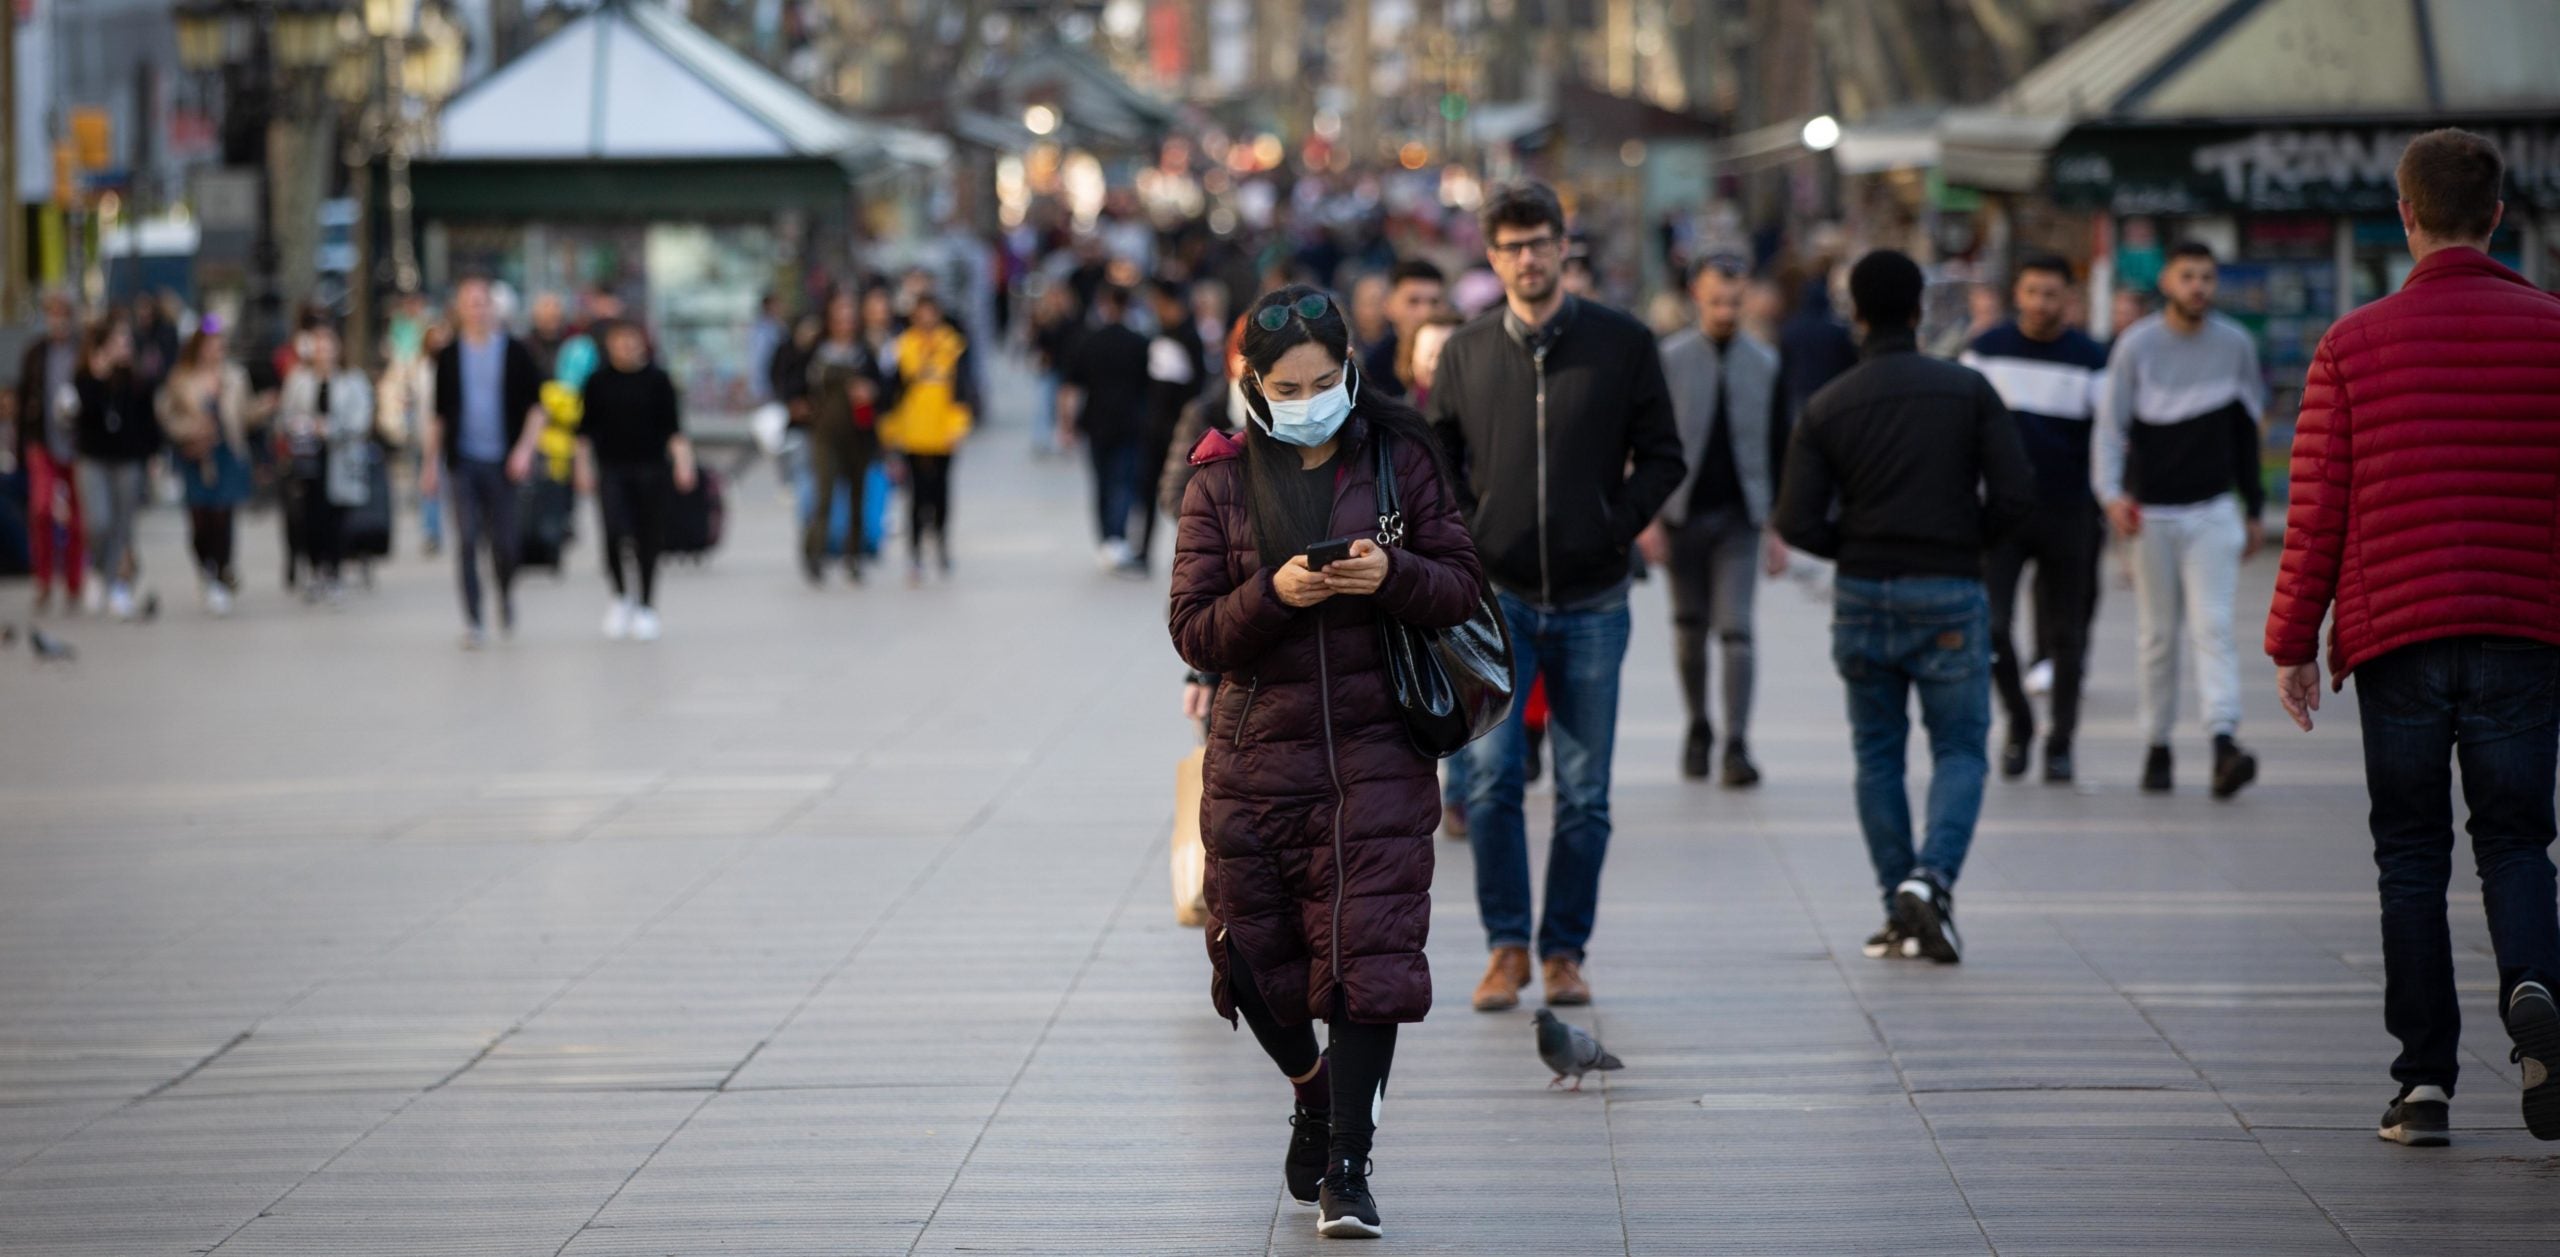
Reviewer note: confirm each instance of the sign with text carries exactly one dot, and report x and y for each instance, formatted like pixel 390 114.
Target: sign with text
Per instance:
pixel 2344 169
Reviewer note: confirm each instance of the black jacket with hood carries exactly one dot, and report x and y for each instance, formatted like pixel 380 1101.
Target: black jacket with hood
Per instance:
pixel 1563 444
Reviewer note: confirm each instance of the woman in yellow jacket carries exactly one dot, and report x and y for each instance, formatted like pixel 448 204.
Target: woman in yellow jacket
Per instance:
pixel 936 402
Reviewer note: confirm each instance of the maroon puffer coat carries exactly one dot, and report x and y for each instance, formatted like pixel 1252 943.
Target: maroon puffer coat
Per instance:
pixel 1317 812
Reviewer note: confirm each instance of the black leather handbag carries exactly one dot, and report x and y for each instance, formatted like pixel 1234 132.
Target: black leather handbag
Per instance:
pixel 1454 684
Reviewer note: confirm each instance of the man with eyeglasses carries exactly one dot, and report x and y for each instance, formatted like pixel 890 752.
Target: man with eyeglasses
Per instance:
pixel 1559 427
pixel 1710 538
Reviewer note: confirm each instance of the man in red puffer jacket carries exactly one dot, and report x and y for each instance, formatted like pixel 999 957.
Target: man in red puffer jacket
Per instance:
pixel 2426 505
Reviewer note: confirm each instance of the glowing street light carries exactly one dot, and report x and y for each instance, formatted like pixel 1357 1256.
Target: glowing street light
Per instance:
pixel 1821 132
pixel 1040 120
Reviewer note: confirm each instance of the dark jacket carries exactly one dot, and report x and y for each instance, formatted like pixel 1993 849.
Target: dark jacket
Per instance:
pixel 2426 472
pixel 1814 348
pixel 118 423
pixel 831 404
pixel 1317 811
pixel 517 397
pixel 1563 443
pixel 628 417
pixel 1921 460
pixel 32 403
pixel 786 376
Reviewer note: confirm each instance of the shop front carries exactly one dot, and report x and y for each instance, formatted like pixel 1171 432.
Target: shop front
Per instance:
pixel 2304 215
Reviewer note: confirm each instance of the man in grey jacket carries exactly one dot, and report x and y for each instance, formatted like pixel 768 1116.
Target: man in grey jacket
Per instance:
pixel 1709 537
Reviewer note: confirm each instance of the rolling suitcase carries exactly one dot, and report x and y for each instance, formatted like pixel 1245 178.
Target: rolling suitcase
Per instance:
pixel 694 520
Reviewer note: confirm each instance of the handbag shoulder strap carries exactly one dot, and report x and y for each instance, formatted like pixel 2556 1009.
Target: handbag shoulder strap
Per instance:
pixel 1390 500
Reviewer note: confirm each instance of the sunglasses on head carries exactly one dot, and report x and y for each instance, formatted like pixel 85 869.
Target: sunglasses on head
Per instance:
pixel 1309 307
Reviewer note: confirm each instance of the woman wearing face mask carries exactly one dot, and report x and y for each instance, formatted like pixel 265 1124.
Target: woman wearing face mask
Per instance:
pixel 1318 812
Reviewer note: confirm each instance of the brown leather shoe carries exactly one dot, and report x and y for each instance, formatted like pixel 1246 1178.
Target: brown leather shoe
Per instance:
pixel 1503 978
pixel 1564 982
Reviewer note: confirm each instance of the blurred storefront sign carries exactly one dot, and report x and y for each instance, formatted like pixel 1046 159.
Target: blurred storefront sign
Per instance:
pixel 2334 169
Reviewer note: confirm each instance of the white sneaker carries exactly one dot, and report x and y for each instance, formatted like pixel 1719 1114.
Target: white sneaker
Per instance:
pixel 120 601
pixel 1114 554
pixel 93 596
pixel 217 599
pixel 2040 677
pixel 617 621
pixel 644 625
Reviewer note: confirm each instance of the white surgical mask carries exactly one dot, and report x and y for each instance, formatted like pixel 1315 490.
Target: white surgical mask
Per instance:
pixel 1312 421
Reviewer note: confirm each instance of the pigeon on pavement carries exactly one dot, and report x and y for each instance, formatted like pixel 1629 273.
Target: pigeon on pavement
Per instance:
pixel 1570 1050
pixel 49 647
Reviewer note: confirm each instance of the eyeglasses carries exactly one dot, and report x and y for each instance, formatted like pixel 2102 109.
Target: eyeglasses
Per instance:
pixel 1541 245
pixel 1310 307
pixel 1729 265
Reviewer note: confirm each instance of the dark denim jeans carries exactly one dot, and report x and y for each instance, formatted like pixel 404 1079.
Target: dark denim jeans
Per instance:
pixel 1888 638
pixel 1579 652
pixel 2493 703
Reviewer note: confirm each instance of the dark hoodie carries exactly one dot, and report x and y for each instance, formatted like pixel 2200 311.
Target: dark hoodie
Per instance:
pixel 1814 348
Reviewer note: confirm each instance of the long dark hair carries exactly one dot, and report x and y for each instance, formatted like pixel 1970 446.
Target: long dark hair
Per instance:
pixel 1269 462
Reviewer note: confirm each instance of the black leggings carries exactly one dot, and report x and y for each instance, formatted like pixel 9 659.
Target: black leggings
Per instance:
pixel 210 528
pixel 632 497
pixel 1361 1056
pixel 929 504
pixel 324 529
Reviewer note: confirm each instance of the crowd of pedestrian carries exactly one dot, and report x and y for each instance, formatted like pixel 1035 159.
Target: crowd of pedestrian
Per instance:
pixel 1572 452
pixel 1422 440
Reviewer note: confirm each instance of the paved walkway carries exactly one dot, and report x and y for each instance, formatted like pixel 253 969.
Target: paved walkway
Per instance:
pixel 837 923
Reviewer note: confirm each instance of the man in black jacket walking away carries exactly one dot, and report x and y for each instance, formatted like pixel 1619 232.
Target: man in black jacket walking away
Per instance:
pixel 1559 427
pixel 1904 471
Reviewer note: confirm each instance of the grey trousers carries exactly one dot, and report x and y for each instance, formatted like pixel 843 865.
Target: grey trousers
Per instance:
pixel 1715 571
pixel 113 494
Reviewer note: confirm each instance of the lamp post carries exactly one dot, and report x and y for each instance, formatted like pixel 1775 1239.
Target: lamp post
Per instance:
pixel 397 62
pixel 267 56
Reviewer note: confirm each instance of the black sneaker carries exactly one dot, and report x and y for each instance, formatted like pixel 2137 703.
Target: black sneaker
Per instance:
pixel 1310 1137
pixel 2057 763
pixel 2233 767
pixel 2013 759
pixel 1927 911
pixel 1739 772
pixel 1346 1210
pixel 2155 771
pixel 812 572
pixel 2419 1118
pixel 1892 943
pixel 2533 1021
pixel 1697 753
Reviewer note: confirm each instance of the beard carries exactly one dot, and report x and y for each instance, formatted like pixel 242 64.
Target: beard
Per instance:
pixel 1533 288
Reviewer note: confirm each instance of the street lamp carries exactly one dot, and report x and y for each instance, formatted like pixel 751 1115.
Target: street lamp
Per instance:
pixel 1821 133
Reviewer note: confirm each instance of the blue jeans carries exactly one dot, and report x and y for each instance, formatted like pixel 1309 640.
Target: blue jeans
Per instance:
pixel 484 508
pixel 2494 704
pixel 1579 652
pixel 1115 486
pixel 1889 637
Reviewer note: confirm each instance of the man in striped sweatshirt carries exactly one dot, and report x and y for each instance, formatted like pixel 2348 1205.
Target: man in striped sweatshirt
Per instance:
pixel 2049 374
pixel 2176 464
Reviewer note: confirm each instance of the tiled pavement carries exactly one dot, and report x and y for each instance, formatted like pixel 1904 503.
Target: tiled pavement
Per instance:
pixel 837 923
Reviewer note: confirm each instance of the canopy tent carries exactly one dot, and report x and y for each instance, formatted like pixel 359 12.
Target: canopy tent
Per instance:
pixel 633 111
pixel 2237 63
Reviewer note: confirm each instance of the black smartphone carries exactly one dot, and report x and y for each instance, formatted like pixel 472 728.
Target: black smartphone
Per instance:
pixel 1324 552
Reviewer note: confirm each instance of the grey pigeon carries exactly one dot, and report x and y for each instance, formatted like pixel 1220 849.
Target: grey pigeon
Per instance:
pixel 1570 1050
pixel 50 648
